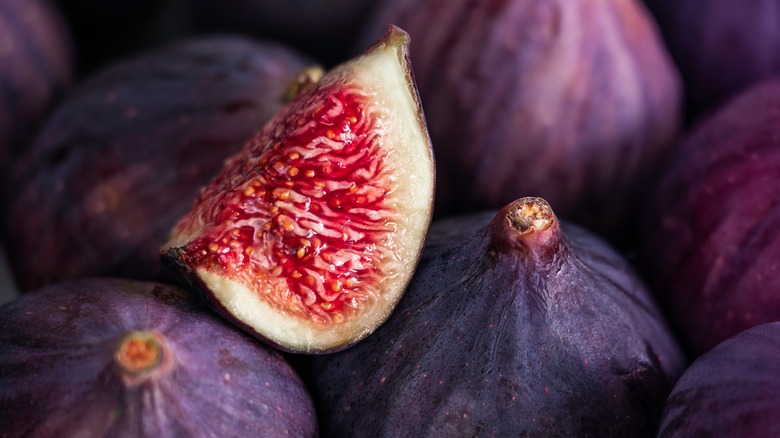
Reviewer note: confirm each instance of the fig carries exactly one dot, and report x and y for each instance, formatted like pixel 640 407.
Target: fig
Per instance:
pixel 36 66
pixel 309 235
pixel 121 159
pixel 721 47
pixel 321 28
pixel 108 357
pixel 732 390
pixel 711 243
pixel 515 324
pixel 573 101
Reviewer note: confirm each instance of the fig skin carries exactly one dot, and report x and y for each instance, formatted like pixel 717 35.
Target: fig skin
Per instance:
pixel 309 235
pixel 710 242
pixel 732 390
pixel 573 101
pixel 721 47
pixel 64 369
pixel 36 67
pixel 323 29
pixel 123 157
pixel 509 328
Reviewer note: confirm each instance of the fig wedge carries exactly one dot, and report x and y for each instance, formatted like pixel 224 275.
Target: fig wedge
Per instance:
pixel 310 234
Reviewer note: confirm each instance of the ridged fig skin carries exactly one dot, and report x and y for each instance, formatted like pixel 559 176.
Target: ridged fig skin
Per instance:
pixel 36 67
pixel 507 333
pixel 323 29
pixel 59 376
pixel 570 100
pixel 125 155
pixel 711 238
pixel 732 390
pixel 721 47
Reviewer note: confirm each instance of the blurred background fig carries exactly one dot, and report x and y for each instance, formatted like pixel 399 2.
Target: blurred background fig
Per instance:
pixel 711 239
pixel 323 29
pixel 732 390
pixel 103 357
pixel 126 154
pixel 721 47
pixel 571 100
pixel 36 66
pixel 515 324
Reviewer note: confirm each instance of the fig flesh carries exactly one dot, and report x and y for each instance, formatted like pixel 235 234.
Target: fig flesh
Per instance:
pixel 36 66
pixel 570 100
pixel 120 160
pixel 309 235
pixel 711 243
pixel 104 357
pixel 515 324
pixel 732 390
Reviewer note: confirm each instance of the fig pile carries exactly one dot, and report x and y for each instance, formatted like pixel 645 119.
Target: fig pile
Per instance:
pixel 490 219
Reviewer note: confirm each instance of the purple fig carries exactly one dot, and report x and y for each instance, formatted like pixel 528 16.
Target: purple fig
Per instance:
pixel 36 66
pixel 515 324
pixel 711 242
pixel 103 357
pixel 722 47
pixel 125 156
pixel 570 100
pixel 732 390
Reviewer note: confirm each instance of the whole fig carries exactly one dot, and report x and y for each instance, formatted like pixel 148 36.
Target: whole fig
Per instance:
pixel 124 157
pixel 722 47
pixel 711 241
pixel 120 358
pixel 515 324
pixel 732 390
pixel 36 66
pixel 570 100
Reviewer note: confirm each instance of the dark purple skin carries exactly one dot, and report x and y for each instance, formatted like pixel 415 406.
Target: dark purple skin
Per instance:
pixel 322 28
pixel 711 241
pixel 506 333
pixel 573 101
pixel 59 376
pixel 733 390
pixel 36 66
pixel 124 157
pixel 722 47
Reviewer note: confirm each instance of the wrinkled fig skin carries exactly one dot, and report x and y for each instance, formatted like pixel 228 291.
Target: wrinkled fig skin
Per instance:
pixel 321 28
pixel 722 47
pixel 35 68
pixel 711 241
pixel 123 158
pixel 733 390
pixel 573 101
pixel 61 373
pixel 501 333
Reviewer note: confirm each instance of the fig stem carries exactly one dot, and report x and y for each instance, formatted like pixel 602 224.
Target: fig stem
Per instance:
pixel 529 215
pixel 138 353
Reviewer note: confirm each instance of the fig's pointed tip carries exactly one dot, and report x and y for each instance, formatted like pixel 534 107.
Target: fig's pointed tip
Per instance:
pixel 530 215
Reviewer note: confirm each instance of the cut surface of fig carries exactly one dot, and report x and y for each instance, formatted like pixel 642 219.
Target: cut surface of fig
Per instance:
pixel 309 236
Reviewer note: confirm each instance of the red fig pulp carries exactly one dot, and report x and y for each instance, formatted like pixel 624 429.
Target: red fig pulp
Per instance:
pixel 309 236
pixel 515 324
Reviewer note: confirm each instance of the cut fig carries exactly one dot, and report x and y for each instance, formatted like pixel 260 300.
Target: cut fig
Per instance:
pixel 515 324
pixel 310 235
pixel 121 358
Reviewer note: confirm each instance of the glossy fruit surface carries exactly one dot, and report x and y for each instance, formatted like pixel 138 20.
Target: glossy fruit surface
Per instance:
pixel 106 357
pixel 515 324
pixel 711 241
pixel 570 100
pixel 732 390
pixel 121 159
pixel 309 235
